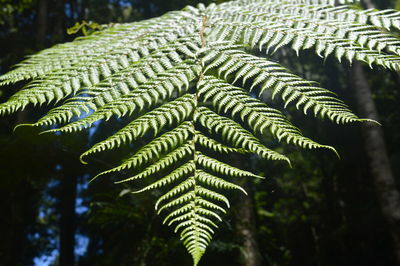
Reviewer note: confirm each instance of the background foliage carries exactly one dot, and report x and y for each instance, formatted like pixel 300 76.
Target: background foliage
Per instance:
pixel 322 212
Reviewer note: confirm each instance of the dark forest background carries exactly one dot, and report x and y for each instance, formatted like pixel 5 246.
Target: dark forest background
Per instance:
pixel 324 211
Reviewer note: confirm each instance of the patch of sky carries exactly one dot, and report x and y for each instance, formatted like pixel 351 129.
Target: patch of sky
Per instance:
pixel 46 260
pixel 93 129
pixel 58 167
pixel 69 12
pixel 81 241
pixel 80 208
pixel 81 244
pixel 125 3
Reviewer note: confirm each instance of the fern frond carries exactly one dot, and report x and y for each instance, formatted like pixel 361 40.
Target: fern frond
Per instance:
pixel 113 87
pixel 175 80
pixel 221 168
pixel 212 195
pixel 217 182
pixel 316 18
pixel 387 19
pixel 235 134
pixel 155 148
pixel 272 76
pixel 191 78
pixel 176 111
pixel 214 145
pixel 276 27
pixel 119 44
pixel 257 114
pixel 274 36
pixel 174 175
pixel 169 159
pixel 176 202
pixel 185 185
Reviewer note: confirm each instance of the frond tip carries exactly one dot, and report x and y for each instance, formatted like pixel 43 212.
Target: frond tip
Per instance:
pixel 191 95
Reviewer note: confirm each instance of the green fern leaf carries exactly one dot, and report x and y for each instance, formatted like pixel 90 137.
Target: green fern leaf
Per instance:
pixel 191 78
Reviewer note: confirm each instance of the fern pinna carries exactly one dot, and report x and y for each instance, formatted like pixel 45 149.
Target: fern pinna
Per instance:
pixel 191 78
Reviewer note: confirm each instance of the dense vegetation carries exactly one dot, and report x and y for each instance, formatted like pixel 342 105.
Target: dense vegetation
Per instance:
pixel 305 183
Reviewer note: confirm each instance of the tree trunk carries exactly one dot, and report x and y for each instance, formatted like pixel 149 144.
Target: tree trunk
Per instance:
pixel 379 165
pixel 59 28
pixel 246 228
pixel 68 217
pixel 41 21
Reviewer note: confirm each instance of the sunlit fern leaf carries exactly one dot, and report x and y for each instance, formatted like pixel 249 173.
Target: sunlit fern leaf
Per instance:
pixel 186 84
pixel 252 111
pixel 156 147
pixel 176 155
pixel 214 145
pixel 221 168
pixel 170 113
pixel 120 44
pixel 271 30
pixel 161 87
pixel 272 76
pixel 310 17
pixel 234 134
pixel 173 176
pixel 112 88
